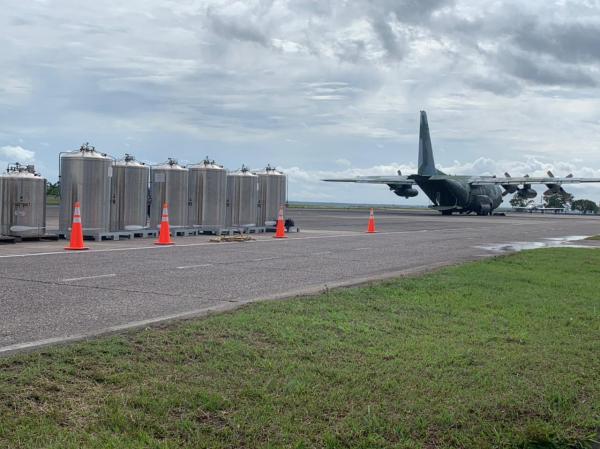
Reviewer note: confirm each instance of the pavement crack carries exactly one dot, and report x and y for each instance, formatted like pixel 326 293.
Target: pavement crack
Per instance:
pixel 115 289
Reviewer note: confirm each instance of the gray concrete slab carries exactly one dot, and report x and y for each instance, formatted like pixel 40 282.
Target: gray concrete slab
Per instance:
pixel 49 295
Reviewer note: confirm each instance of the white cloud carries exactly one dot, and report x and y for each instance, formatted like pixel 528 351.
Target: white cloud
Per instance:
pixel 16 154
pixel 14 90
pixel 343 162
pixel 307 84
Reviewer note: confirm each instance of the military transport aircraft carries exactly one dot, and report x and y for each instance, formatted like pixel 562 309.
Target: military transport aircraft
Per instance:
pixel 463 194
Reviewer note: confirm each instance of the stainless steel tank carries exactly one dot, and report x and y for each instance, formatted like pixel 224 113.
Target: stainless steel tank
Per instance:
pixel 85 177
pixel 208 194
pixel 272 194
pixel 242 198
pixel 169 184
pixel 129 195
pixel 22 202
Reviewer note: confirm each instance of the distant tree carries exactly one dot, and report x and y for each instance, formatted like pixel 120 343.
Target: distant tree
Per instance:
pixel 585 206
pixel 517 201
pixel 53 189
pixel 560 200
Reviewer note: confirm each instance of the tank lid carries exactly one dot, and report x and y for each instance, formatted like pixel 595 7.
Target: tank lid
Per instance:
pixel 86 150
pixel 208 164
pixel 129 161
pixel 21 170
pixel 268 170
pixel 171 164
pixel 244 171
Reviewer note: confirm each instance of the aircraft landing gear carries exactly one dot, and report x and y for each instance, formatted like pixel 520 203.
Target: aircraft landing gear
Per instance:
pixel 485 209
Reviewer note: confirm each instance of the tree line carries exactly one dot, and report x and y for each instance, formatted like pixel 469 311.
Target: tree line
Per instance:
pixel 53 189
pixel 562 200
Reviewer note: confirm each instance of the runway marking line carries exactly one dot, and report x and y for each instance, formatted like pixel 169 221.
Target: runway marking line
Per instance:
pixel 265 240
pixel 263 259
pixel 112 275
pixel 203 265
pixel 221 305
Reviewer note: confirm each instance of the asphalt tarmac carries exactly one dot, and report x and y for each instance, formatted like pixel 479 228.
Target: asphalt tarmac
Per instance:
pixel 50 296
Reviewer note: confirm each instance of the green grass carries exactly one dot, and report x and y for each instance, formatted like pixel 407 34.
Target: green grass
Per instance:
pixel 500 353
pixel 595 237
pixel 52 200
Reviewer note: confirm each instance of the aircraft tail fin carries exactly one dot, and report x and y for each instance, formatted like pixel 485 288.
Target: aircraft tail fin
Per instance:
pixel 426 162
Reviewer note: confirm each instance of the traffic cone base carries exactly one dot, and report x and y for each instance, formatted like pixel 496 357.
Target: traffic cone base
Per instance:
pixel 280 229
pixel 371 229
pixel 164 235
pixel 76 240
pixel 83 248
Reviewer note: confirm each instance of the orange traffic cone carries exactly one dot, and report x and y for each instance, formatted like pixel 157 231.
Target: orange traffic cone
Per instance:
pixel 371 229
pixel 76 243
pixel 280 230
pixel 164 236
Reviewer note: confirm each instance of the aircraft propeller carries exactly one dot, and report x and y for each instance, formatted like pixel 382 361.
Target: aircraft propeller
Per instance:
pixel 555 189
pixel 509 188
pixel 525 192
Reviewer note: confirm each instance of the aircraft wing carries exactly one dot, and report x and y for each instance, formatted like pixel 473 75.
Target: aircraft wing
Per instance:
pixel 394 180
pixel 530 180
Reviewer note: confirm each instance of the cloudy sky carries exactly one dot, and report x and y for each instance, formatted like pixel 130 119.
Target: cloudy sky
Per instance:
pixel 319 88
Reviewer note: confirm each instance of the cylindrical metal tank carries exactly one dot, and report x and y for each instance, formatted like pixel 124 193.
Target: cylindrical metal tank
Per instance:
pixel 272 194
pixel 242 198
pixel 208 194
pixel 129 195
pixel 169 184
pixel 22 202
pixel 85 177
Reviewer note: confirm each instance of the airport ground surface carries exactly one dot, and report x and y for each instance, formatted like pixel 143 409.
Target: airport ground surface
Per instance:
pixel 49 295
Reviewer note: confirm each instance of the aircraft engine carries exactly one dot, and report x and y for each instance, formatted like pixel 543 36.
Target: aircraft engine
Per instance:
pixel 404 191
pixel 554 189
pixel 526 192
pixel 509 188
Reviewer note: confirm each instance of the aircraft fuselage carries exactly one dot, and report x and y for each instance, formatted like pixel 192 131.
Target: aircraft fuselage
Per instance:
pixel 455 194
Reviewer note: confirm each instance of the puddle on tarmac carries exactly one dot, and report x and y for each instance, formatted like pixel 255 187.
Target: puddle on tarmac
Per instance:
pixel 556 242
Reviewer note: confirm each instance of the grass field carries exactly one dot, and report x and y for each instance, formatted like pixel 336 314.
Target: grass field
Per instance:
pixel 501 353
pixel 594 237
pixel 52 200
